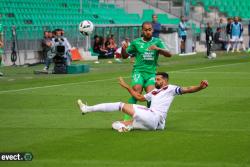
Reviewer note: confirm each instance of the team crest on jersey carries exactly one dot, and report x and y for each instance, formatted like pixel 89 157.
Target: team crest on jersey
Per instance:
pixel 141 45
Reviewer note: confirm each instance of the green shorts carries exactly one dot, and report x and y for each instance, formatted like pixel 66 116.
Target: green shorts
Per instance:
pixel 143 78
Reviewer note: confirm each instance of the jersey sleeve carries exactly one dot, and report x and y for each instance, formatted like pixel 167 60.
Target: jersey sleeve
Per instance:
pixel 148 96
pixel 131 48
pixel 175 90
pixel 161 44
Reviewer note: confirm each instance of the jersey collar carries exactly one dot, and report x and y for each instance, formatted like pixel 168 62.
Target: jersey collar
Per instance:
pixel 147 41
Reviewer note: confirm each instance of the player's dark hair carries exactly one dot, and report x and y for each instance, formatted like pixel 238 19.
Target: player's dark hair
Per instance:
pixel 146 22
pixel 163 74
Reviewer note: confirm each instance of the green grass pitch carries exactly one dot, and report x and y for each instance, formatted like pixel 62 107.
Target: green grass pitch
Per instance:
pixel 211 128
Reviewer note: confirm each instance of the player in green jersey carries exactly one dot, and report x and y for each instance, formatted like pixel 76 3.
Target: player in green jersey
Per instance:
pixel 146 51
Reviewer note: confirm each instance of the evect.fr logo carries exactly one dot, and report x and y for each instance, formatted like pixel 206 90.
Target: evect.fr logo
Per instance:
pixel 21 156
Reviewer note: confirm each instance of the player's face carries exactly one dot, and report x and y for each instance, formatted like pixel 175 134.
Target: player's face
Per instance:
pixel 50 34
pixel 236 19
pixel 160 82
pixel 147 30
pixel 154 18
pixel 46 34
pixel 58 33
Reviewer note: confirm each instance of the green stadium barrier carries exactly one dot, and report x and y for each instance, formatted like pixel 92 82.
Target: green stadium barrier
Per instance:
pixel 77 68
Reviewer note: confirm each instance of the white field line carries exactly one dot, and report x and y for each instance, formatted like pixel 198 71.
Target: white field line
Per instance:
pixel 101 80
pixel 209 72
pixel 200 68
pixel 51 86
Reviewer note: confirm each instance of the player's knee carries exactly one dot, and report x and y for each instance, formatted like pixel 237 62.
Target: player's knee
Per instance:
pixel 150 88
pixel 128 109
pixel 138 88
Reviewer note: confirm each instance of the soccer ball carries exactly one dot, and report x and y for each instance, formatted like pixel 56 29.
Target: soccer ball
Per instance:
pixel 213 55
pixel 86 27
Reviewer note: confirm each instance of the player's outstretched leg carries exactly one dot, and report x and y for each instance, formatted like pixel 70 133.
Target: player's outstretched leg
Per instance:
pixel 82 106
pixel 104 107
pixel 120 126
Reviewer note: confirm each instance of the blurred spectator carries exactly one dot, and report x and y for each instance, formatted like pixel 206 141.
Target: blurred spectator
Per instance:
pixel 58 39
pixel 182 34
pixel 127 42
pixel 249 34
pixel 98 46
pixel 218 39
pixel 46 44
pixel 220 24
pixel 110 50
pixel 228 31
pixel 112 42
pixel 119 50
pixel 241 38
pixel 59 35
pixel 53 33
pixel 236 35
pixel 156 26
pixel 209 38
pixel 50 34
pixel 65 39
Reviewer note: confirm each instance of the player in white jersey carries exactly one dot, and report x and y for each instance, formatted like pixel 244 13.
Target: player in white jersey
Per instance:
pixel 145 118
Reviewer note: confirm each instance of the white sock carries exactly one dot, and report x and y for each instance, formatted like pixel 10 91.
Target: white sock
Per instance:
pixel 238 46
pixel 106 107
pixel 228 47
pixel 234 46
pixel 243 46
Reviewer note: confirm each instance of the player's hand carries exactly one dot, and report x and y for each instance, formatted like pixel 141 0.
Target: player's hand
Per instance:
pixel 204 84
pixel 123 83
pixel 132 60
pixel 124 45
pixel 49 44
pixel 153 47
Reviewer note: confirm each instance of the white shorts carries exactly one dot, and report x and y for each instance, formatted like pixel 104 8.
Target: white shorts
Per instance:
pixel 145 119
pixel 236 39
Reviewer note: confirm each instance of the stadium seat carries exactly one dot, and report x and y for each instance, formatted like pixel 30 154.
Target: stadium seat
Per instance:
pixel 147 14
pixel 93 53
pixel 65 13
pixel 230 7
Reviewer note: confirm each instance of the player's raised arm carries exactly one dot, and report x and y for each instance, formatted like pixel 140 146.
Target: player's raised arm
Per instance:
pixel 133 93
pixel 161 51
pixel 192 89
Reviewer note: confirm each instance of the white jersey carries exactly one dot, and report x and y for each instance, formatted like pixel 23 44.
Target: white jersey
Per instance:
pixel 161 99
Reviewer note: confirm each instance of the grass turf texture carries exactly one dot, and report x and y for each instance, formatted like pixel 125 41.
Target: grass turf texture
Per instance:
pixel 38 114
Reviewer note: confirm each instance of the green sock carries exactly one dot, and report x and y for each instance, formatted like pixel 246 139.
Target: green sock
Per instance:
pixel 148 104
pixel 131 100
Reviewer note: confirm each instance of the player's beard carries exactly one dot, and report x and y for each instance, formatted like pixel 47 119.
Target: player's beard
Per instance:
pixel 157 86
pixel 147 37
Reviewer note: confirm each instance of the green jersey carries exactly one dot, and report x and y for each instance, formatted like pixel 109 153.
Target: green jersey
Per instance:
pixel 145 59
